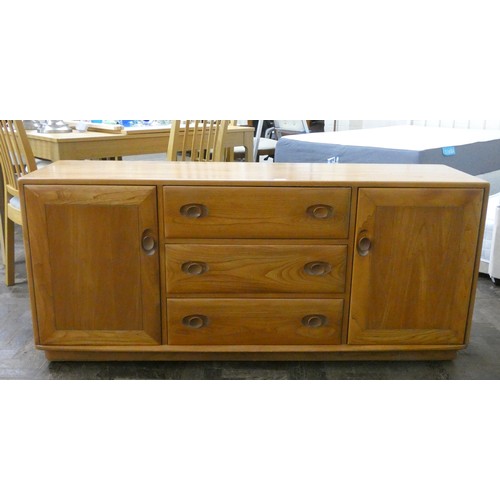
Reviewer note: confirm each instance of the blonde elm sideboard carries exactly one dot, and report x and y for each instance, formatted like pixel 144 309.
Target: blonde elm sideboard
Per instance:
pixel 171 261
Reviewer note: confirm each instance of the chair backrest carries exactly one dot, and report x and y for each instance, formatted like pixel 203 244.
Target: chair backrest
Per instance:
pixel 285 127
pixel 197 140
pixel 16 156
pixel 258 126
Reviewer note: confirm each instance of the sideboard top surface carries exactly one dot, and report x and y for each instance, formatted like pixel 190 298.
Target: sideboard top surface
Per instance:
pixel 242 173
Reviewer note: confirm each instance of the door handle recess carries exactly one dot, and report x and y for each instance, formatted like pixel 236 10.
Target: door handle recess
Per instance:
pixel 364 245
pixel 148 242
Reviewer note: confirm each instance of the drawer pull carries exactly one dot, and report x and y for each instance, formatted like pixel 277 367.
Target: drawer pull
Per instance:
pixel 314 320
pixel 194 210
pixel 364 245
pixel 320 212
pixel 148 242
pixel 195 321
pixel 317 268
pixel 194 268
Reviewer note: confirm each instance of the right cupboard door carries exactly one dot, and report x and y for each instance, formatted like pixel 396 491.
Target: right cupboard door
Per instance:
pixel 413 266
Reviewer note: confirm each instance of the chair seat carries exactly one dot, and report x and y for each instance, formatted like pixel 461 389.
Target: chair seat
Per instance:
pixel 265 144
pixel 42 163
pixel 15 202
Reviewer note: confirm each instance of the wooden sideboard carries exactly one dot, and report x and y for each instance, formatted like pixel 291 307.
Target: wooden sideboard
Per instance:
pixel 178 261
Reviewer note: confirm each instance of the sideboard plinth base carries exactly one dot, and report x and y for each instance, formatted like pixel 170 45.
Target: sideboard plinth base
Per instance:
pixel 424 355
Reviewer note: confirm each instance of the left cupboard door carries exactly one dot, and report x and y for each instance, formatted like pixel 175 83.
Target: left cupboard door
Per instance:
pixel 94 264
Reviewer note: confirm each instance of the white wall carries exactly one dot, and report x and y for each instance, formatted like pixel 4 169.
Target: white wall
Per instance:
pixel 473 124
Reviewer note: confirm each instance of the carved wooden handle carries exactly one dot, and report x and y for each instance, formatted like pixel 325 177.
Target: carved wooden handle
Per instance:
pixel 321 212
pixel 194 210
pixel 194 268
pixel 195 321
pixel 364 245
pixel 317 268
pixel 314 320
pixel 148 242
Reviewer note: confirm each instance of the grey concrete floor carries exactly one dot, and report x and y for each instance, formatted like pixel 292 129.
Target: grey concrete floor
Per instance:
pixel 21 361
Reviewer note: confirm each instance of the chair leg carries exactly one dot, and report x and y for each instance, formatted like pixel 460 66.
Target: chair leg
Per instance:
pixel 2 245
pixel 9 252
pixel 2 221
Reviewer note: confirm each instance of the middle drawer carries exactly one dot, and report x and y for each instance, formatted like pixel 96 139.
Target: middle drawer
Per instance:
pixel 207 268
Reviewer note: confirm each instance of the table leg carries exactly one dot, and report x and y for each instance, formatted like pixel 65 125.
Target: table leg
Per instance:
pixel 249 153
pixel 229 154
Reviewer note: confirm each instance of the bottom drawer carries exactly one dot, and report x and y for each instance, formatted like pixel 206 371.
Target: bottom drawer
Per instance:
pixel 254 321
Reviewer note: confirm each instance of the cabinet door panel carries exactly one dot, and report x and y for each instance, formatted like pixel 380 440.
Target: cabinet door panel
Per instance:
pixel 93 282
pixel 413 265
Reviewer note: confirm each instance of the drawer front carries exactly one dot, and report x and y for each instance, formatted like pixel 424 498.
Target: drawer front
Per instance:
pixel 254 322
pixel 256 212
pixel 255 268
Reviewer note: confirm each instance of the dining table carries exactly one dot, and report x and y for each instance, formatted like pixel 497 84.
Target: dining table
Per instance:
pixel 101 143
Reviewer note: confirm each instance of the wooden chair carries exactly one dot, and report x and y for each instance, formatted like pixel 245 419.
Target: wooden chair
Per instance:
pixel 287 127
pixel 197 140
pixel 262 146
pixel 16 158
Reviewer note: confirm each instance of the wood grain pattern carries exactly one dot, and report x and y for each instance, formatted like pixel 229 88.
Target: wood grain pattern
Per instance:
pixel 93 283
pixel 252 174
pixel 414 285
pixel 256 268
pixel 254 321
pixel 241 212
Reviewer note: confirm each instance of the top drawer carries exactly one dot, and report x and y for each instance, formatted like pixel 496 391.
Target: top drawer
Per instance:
pixel 256 212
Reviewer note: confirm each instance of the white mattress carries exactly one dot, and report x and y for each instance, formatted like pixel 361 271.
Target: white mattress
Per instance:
pixel 473 151
pixel 489 232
